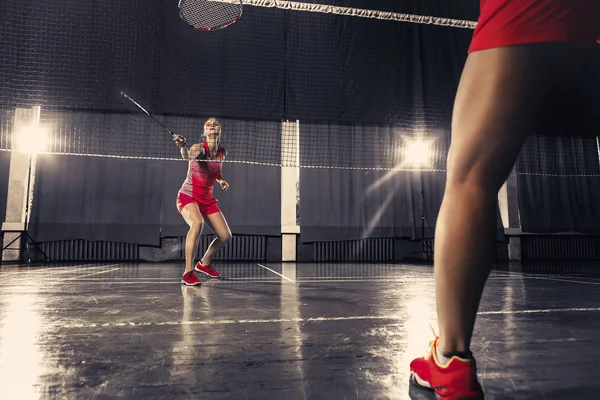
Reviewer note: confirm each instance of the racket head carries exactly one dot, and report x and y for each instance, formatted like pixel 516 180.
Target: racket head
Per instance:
pixel 210 15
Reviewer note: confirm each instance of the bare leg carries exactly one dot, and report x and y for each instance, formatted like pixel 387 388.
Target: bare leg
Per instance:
pixel 221 228
pixel 500 93
pixel 193 217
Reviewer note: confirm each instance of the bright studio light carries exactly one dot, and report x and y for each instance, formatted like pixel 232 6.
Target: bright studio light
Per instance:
pixel 31 139
pixel 417 152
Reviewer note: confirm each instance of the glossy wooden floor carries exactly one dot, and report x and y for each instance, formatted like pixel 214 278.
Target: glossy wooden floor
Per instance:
pixel 329 331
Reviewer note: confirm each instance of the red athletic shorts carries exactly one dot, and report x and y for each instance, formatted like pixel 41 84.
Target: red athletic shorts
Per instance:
pixel 511 22
pixel 206 207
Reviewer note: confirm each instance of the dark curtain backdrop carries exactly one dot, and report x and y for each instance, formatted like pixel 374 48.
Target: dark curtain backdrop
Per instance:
pixel 4 171
pixel 355 190
pixel 133 201
pixel 272 64
pixel 345 69
pixel 96 198
pixel 559 177
pixel 81 54
pixel 559 185
pixel 342 204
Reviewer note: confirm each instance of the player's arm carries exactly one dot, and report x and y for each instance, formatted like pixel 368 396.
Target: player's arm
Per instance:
pixel 196 152
pixel 220 179
pixel 224 152
pixel 181 142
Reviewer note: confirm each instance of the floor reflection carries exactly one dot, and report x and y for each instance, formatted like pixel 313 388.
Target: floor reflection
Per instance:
pixel 22 359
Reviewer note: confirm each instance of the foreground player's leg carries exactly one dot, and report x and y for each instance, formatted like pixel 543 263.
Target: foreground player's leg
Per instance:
pixel 221 228
pixel 193 217
pixel 496 106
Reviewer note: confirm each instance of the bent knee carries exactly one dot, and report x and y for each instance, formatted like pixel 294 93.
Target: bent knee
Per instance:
pixel 225 237
pixel 483 172
pixel 196 225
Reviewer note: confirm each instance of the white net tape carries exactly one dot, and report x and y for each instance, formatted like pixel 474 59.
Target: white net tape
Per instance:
pixel 358 12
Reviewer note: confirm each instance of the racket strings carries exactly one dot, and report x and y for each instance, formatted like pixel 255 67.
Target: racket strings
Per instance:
pixel 210 14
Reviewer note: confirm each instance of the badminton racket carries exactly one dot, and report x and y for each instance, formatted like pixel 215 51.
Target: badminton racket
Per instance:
pixel 210 15
pixel 147 113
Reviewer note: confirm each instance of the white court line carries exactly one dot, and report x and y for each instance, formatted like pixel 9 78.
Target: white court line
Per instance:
pixel 314 319
pixel 539 311
pixel 275 272
pixel 41 268
pixel 52 271
pixel 530 275
pixel 70 268
pixel 162 281
pixel 542 278
pixel 82 276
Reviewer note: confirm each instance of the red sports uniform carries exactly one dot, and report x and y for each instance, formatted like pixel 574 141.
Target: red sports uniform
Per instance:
pixel 198 185
pixel 512 22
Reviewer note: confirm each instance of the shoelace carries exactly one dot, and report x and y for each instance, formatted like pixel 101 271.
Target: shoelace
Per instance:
pixel 430 346
pixel 208 268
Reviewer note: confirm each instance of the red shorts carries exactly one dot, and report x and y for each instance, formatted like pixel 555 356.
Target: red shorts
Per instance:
pixel 512 22
pixel 206 207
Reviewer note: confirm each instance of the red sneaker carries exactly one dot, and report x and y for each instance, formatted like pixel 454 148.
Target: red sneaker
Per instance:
pixel 190 279
pixel 455 381
pixel 207 269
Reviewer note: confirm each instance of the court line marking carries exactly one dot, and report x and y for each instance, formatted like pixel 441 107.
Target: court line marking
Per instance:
pixel 40 268
pixel 304 279
pixel 313 319
pixel 532 274
pixel 276 273
pixel 540 311
pixel 82 276
pixel 231 281
pixel 82 265
pixel 562 280
pixel 52 271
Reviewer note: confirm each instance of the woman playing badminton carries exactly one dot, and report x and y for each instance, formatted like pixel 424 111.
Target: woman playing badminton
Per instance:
pixel 195 200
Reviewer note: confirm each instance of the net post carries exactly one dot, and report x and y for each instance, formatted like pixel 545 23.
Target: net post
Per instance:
pixel 508 201
pixel 290 175
pixel 17 197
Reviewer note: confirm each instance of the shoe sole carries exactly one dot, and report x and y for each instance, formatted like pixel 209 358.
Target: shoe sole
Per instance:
pixel 418 392
pixel 207 274
pixel 190 284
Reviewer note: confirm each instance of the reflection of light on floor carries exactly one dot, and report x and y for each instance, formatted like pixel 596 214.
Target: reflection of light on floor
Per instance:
pixel 184 348
pixel 21 358
pixel 420 319
pixel 406 336
pixel 510 324
pixel 290 309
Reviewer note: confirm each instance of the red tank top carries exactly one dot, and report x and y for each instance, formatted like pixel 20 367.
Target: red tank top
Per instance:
pixel 202 174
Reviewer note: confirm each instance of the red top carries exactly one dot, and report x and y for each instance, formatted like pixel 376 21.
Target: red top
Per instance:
pixel 202 174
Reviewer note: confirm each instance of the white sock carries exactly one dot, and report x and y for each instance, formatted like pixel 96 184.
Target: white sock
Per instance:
pixel 443 360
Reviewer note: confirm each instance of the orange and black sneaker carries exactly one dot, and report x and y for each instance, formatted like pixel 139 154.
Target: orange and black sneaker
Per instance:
pixel 190 279
pixel 457 380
